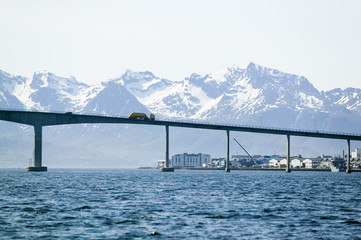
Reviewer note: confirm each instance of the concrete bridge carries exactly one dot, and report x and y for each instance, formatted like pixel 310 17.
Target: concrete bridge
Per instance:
pixel 42 119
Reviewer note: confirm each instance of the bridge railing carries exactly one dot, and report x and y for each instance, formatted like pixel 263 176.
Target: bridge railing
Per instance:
pixel 262 127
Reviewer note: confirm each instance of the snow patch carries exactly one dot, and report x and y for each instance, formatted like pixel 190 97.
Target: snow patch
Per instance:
pixel 310 101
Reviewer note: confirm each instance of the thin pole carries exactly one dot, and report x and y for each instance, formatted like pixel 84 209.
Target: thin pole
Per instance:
pixel 348 170
pixel 166 146
pixel 288 169
pixel 227 159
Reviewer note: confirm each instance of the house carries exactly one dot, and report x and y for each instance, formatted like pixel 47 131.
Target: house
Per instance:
pixel 274 162
pixel 296 163
pixel 283 163
pixel 312 162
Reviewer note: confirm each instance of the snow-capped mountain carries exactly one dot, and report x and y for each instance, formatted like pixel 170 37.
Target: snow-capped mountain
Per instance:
pixel 8 91
pixel 150 91
pixel 257 91
pixel 48 92
pixel 253 95
pixel 350 98
pixel 110 98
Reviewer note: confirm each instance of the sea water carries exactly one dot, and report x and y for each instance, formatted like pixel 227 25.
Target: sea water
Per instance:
pixel 185 204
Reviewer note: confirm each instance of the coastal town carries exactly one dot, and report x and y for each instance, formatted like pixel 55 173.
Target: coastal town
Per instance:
pixel 205 161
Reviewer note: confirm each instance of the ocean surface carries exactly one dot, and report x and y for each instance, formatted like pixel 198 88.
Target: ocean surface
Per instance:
pixel 185 204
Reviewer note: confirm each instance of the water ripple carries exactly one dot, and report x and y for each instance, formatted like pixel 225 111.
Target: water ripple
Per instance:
pixel 147 204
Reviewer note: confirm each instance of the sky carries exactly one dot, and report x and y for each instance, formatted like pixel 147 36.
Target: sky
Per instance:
pixel 98 40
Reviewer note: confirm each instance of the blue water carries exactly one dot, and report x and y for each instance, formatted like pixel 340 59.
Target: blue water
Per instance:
pixel 148 204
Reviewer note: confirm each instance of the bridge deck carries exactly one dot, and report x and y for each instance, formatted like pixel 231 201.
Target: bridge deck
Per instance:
pixel 51 119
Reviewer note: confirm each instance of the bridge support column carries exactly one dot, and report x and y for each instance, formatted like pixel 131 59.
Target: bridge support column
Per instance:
pixel 227 169
pixel 288 168
pixel 348 163
pixel 166 167
pixel 37 160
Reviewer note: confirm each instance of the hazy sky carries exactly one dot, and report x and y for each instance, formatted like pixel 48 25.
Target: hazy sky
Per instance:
pixel 98 40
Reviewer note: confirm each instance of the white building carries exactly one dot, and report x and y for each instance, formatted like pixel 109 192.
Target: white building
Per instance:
pixel 283 163
pixel 274 163
pixel 190 160
pixel 312 162
pixel 296 163
pixel 356 153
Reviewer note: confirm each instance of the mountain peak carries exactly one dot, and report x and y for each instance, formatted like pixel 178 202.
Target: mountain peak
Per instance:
pixel 4 74
pixel 47 79
pixel 41 72
pixel 131 75
pixel 252 65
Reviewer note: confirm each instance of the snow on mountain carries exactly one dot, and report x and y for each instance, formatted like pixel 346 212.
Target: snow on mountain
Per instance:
pixel 47 92
pixel 243 95
pixel 53 93
pixel 44 92
pixel 350 98
pixel 8 86
pixel 151 91
pixel 110 98
pixel 254 95
pixel 142 84
pixel 237 95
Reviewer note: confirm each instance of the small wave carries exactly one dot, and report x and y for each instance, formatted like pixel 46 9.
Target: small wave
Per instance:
pixel 147 217
pixel 345 210
pixel 226 216
pixel 86 207
pixel 200 214
pixel 127 222
pixel 108 222
pixel 267 210
pixel 29 209
pixel 328 217
pixel 352 222
pixel 217 216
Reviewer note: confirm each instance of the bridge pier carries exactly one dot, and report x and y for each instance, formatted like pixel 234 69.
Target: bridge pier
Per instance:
pixel 37 159
pixel 288 168
pixel 348 169
pixel 166 168
pixel 227 169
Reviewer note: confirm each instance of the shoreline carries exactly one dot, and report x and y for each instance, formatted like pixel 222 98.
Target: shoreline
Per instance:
pixel 259 169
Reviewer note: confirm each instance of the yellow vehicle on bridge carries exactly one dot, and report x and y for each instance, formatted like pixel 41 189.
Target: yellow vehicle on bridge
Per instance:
pixel 141 116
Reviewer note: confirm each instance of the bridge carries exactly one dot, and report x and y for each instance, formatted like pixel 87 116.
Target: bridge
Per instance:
pixel 42 119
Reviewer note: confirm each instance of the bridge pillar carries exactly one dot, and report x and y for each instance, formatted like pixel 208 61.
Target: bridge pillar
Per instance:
pixel 227 169
pixel 288 168
pixel 348 169
pixel 166 167
pixel 37 160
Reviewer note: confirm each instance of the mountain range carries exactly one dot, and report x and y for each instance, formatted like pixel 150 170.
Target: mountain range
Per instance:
pixel 255 95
